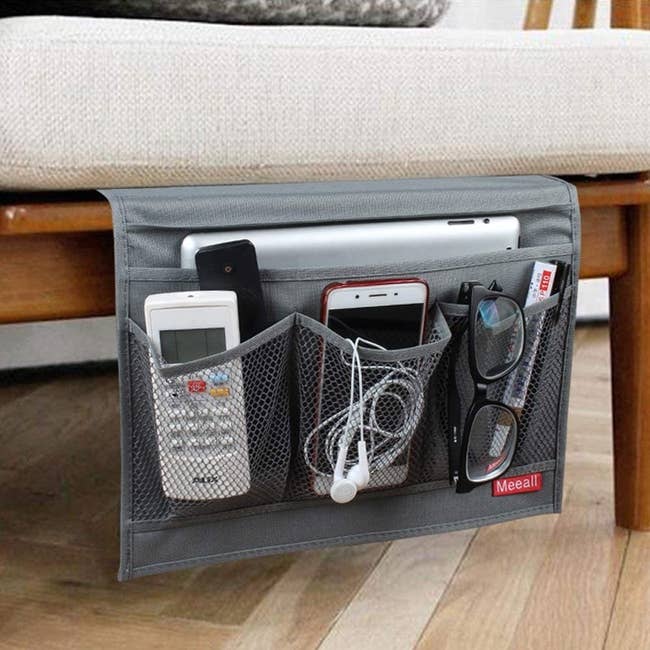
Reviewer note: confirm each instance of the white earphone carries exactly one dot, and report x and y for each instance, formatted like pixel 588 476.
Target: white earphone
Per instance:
pixel 345 487
pixel 340 429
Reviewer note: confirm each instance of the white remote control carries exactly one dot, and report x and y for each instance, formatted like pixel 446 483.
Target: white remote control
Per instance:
pixel 200 416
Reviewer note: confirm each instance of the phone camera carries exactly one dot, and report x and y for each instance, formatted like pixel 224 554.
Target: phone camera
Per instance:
pixel 486 221
pixel 228 268
pixel 357 296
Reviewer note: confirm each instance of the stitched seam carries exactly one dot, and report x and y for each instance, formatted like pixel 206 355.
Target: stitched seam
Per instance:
pixel 150 526
pixel 129 388
pixel 386 535
pixel 136 165
pixel 430 46
pixel 562 407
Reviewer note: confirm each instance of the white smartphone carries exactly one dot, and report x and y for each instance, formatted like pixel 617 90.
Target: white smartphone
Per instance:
pixel 383 242
pixel 391 313
pixel 200 416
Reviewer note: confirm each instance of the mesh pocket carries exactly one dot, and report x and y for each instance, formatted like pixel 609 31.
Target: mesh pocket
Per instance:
pixel 395 407
pixel 435 451
pixel 538 409
pixel 533 390
pixel 212 434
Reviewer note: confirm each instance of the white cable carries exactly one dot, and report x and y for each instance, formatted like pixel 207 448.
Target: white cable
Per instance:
pixel 402 384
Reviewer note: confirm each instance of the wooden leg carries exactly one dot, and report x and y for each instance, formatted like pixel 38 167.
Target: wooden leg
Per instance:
pixel 630 340
pixel 628 14
pixel 584 15
pixel 538 14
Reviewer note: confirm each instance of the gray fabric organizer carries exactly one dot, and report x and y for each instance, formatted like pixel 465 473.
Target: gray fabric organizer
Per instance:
pixel 281 514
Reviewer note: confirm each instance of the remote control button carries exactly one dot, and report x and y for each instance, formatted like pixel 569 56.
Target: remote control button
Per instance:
pixel 219 426
pixel 212 412
pixel 180 427
pixel 227 440
pixel 221 391
pixel 196 386
pixel 219 378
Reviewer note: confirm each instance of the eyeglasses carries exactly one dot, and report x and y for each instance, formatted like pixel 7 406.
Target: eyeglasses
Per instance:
pixel 496 337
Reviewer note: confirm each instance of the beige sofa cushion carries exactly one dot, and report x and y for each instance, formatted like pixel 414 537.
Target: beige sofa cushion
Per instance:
pixel 98 103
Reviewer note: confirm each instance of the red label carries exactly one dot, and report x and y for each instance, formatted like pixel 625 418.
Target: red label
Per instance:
pixel 544 282
pixel 502 487
pixel 196 386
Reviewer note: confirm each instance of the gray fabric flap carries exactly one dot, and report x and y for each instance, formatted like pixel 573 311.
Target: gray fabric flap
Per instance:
pixel 158 219
pixel 149 225
pixel 230 206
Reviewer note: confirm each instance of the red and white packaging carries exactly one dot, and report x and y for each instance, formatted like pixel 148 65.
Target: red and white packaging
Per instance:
pixel 540 288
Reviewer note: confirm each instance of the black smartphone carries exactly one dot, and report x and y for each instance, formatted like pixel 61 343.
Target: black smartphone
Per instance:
pixel 232 266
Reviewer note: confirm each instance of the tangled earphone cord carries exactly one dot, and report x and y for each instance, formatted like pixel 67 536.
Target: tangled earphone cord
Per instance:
pixel 402 384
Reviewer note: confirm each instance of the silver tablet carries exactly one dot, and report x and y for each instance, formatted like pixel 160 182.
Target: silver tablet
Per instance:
pixel 381 242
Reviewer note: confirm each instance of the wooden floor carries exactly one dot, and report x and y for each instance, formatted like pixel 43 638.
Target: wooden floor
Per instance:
pixel 572 581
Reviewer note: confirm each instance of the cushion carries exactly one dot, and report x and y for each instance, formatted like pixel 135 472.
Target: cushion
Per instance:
pixel 405 13
pixel 106 102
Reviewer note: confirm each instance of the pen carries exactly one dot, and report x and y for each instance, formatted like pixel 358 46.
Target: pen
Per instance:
pixel 562 276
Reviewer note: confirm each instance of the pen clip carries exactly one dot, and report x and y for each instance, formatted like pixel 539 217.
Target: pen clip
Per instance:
pixel 561 284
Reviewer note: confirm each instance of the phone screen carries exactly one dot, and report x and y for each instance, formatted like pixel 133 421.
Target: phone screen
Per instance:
pixel 391 326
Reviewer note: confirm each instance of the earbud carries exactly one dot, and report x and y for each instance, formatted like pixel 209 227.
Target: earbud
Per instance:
pixel 345 488
pixel 359 473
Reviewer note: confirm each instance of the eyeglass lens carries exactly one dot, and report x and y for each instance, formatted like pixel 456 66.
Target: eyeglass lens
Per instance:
pixel 491 442
pixel 498 336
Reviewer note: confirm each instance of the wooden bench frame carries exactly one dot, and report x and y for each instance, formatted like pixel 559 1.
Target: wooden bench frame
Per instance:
pixel 56 257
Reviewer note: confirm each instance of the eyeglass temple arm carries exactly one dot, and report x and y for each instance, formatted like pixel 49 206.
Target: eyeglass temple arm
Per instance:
pixel 453 413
